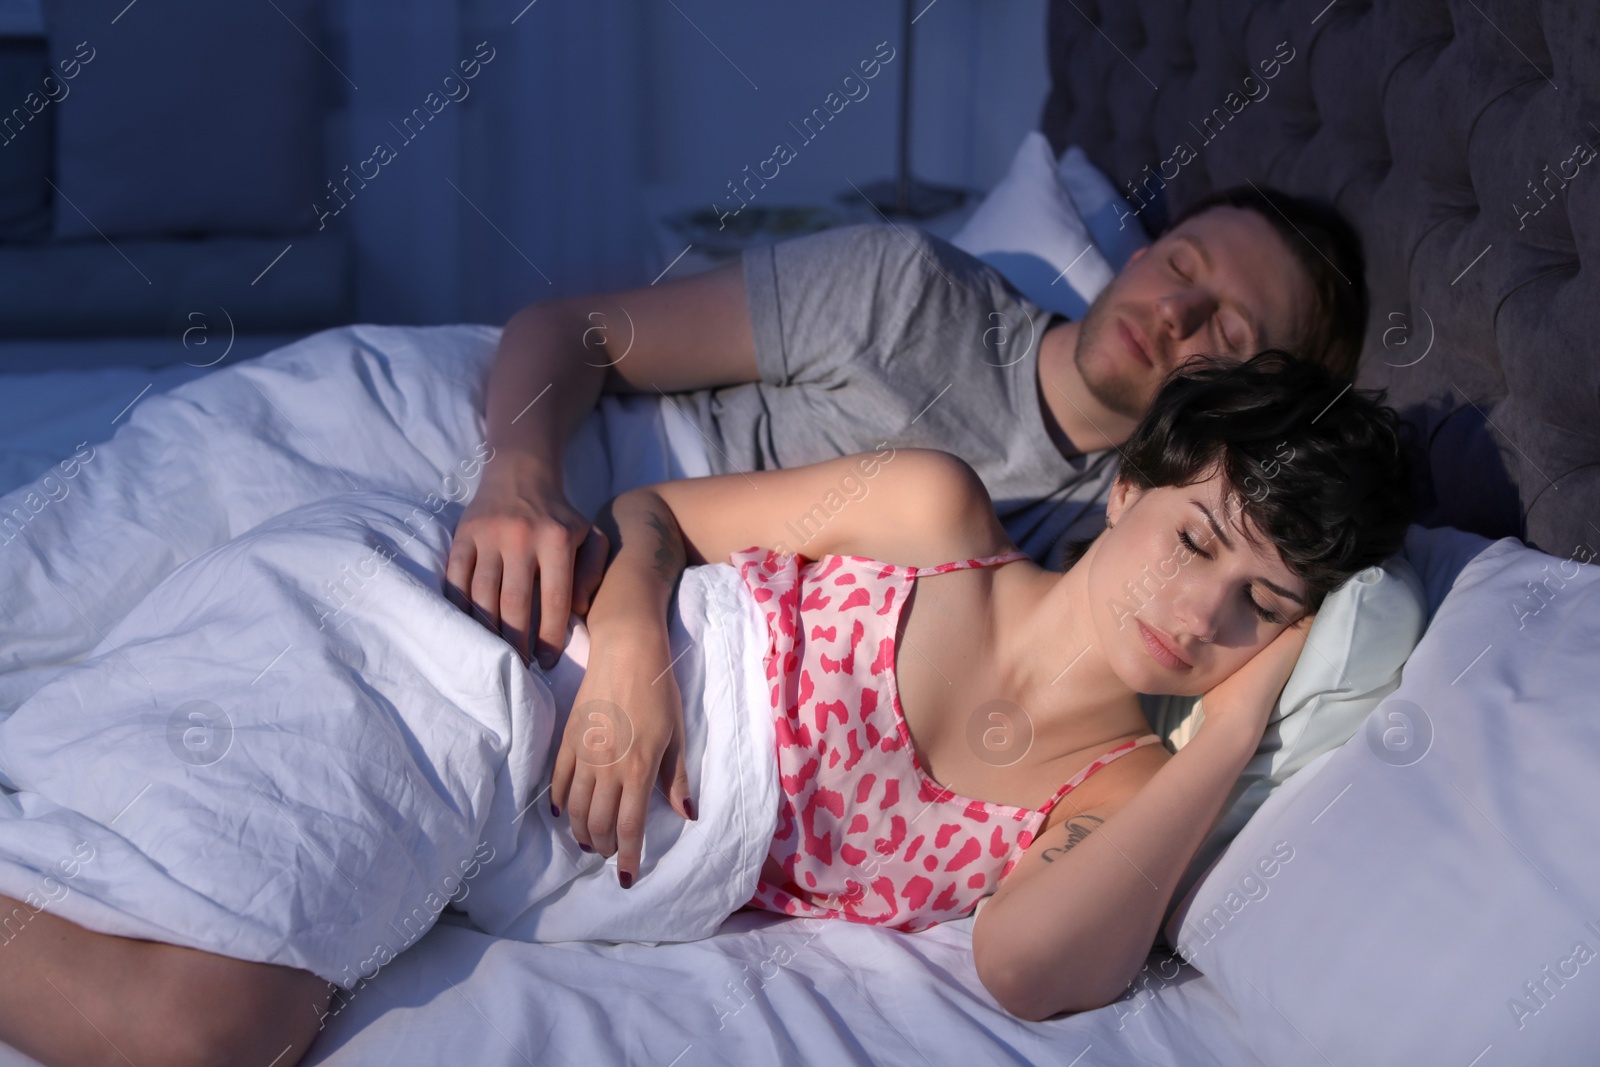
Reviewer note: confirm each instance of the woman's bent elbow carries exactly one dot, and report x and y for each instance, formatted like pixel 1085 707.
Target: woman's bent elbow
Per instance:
pixel 1036 1010
pixel 1018 996
pixel 1006 996
pixel 1032 1000
pixel 997 969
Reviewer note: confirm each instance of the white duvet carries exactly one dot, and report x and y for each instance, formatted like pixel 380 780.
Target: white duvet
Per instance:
pixel 240 714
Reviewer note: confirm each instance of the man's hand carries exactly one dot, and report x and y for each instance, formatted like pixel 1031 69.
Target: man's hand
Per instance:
pixel 518 530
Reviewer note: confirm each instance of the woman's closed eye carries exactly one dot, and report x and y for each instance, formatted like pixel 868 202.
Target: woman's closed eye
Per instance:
pixel 1272 618
pixel 1268 616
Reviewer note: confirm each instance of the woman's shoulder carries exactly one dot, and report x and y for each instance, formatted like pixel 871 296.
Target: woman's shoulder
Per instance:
pixel 921 507
pixel 933 558
pixel 947 513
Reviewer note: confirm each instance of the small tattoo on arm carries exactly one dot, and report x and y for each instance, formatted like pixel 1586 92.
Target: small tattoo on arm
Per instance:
pixel 669 556
pixel 1078 828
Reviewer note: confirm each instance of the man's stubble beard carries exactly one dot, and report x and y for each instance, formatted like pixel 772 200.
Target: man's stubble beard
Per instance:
pixel 1103 370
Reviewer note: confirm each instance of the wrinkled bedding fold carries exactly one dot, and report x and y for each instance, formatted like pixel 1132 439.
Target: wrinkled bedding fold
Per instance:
pixel 239 713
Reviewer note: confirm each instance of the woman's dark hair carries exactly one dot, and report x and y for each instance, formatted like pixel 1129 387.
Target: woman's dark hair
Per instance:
pixel 1317 466
pixel 1328 250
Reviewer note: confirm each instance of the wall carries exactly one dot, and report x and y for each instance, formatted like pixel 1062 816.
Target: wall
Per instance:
pixel 536 184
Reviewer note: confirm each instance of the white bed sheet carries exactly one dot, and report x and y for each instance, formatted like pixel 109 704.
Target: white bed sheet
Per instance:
pixel 764 989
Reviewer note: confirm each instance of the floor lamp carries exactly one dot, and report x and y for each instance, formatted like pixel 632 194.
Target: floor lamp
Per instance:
pixel 905 195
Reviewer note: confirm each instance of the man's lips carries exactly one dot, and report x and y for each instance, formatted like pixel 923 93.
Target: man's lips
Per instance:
pixel 1162 649
pixel 1135 346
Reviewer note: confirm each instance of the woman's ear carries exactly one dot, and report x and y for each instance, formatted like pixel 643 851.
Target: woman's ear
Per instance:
pixel 1122 494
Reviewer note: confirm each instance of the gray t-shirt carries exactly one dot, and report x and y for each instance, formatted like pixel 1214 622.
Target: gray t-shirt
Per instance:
pixel 873 334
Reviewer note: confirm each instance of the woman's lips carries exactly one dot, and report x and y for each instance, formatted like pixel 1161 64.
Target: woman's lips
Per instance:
pixel 1160 652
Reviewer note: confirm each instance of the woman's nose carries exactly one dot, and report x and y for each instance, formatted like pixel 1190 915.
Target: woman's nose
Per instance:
pixel 1200 613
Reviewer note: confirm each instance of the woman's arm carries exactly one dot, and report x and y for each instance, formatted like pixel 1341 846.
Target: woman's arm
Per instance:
pixel 647 559
pixel 1075 920
pixel 625 730
pixel 1069 930
pixel 854 503
pixel 626 725
pixel 912 506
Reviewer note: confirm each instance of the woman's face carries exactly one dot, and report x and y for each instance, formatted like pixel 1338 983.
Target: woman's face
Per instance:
pixel 1179 603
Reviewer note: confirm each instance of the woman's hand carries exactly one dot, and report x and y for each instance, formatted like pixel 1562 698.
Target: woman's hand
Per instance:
pixel 1244 700
pixel 519 529
pixel 624 734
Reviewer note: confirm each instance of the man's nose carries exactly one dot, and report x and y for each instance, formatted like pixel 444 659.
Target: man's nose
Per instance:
pixel 1187 311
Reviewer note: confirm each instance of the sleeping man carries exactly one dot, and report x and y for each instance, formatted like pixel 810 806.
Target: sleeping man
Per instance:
pixel 879 336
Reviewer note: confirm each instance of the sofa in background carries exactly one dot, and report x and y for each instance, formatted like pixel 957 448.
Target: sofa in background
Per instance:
pixel 158 170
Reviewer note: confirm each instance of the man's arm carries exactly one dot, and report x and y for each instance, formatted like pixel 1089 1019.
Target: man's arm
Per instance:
pixel 554 360
pixel 690 333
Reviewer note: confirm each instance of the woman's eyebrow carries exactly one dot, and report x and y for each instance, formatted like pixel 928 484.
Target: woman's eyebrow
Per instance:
pixel 1282 591
pixel 1216 529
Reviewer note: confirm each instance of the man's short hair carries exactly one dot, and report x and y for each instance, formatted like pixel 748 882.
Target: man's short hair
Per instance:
pixel 1329 249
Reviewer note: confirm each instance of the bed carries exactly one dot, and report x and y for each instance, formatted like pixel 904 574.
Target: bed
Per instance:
pixel 761 989
pixel 1382 940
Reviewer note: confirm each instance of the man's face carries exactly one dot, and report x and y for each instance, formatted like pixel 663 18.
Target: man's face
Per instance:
pixel 1222 283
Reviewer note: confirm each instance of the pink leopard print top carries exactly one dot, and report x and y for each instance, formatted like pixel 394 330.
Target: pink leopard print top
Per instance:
pixel 863 833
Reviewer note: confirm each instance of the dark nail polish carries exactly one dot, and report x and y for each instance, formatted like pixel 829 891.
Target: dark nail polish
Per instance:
pixel 625 878
pixel 688 806
pixel 555 810
pixel 585 847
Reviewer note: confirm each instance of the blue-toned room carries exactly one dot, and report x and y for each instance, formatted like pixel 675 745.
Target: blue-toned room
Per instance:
pixel 693 532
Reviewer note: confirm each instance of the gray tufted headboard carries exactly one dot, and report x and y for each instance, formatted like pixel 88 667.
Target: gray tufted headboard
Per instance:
pixel 1461 138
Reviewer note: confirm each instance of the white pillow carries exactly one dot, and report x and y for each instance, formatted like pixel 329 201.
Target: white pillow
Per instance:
pixel 1354 653
pixel 1112 222
pixel 1430 891
pixel 1028 229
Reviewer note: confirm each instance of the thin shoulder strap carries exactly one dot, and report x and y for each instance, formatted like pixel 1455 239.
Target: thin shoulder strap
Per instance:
pixel 1110 757
pixel 962 564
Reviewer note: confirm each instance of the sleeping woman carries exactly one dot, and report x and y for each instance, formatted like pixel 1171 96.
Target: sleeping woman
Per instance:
pixel 954 725
pixel 954 722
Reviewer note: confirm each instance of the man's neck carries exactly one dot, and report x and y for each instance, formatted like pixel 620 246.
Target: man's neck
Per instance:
pixel 1074 419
